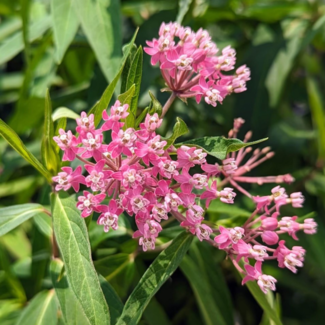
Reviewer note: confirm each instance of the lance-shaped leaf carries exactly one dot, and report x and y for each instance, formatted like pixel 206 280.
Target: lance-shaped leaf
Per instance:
pixel 61 112
pixel 103 103
pixel 184 6
pixel 124 76
pixel 72 238
pixel 42 310
pixel 13 216
pixel 180 128
pixel 126 98
pixel 13 139
pixel 101 22
pixel 219 147
pixel 49 154
pixel 156 275
pixel 70 307
pixel 65 26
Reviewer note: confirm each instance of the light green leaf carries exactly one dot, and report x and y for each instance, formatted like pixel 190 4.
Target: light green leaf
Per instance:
pixel 156 275
pixel 29 183
pixel 13 216
pixel 13 45
pixel 49 155
pixel 9 26
pixel 134 77
pixel 101 22
pixel 64 112
pixel 218 147
pixel 13 139
pixel 72 237
pixel 155 106
pixel 317 108
pixel 231 210
pixel 202 291
pixel 24 12
pixel 180 128
pixel 65 26
pixel 113 300
pixel 42 310
pixel 184 6
pixel 103 103
pixel 72 311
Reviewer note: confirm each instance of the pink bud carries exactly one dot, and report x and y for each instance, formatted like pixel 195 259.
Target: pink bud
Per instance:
pixel 270 237
pixel 269 223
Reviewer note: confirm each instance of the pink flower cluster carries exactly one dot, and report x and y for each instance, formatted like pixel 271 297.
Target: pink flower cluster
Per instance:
pixel 191 67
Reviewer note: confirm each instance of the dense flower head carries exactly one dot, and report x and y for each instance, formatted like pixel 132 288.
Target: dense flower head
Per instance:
pixel 139 174
pixel 193 66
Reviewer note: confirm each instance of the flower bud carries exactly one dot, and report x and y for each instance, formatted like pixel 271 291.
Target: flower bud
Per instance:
pixel 270 237
pixel 269 223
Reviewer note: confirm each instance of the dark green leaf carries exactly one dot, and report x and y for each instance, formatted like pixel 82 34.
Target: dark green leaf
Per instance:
pixel 65 26
pixel 72 237
pixel 180 128
pixel 101 22
pixel 126 98
pixel 127 66
pixel 156 275
pixel 103 103
pixel 219 147
pixel 13 139
pixel 155 106
pixel 42 310
pixel 49 156
pixel 13 216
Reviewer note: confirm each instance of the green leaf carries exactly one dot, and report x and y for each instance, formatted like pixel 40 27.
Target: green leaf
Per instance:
pixel 261 299
pixel 101 22
pixel 219 147
pixel 65 26
pixel 317 108
pixel 14 44
pixel 103 103
pixel 44 224
pixel 72 237
pixel 155 314
pixel 61 112
pixel 13 216
pixel 42 310
pixel 155 106
pixel 184 6
pixel 134 77
pixel 126 98
pixel 72 311
pixel 180 128
pixel 24 11
pixel 202 291
pixel 127 66
pixel 112 299
pixel 13 139
pixel 156 275
pixel 49 155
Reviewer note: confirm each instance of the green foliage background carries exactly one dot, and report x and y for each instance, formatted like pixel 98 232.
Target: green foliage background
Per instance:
pixel 74 47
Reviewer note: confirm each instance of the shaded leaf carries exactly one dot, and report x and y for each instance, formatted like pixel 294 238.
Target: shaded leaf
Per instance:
pixel 184 6
pixel 180 128
pixel 219 147
pixel 158 272
pixel 65 26
pixel 72 238
pixel 13 139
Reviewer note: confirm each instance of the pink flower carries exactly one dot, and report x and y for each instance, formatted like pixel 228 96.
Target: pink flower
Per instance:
pixel 226 195
pixel 123 142
pixel 159 211
pixel 165 167
pixel 98 178
pixel 265 282
pixel 157 47
pixel 68 143
pixel 151 150
pixel 147 228
pixel 309 226
pixel 89 203
pixel 109 217
pixel 117 113
pixel 189 157
pixel 229 236
pixel 258 252
pixel 229 166
pixel 85 123
pixel 211 170
pixel 289 225
pixel 269 223
pixel 93 144
pixel 147 243
pixel 69 178
pixel 297 199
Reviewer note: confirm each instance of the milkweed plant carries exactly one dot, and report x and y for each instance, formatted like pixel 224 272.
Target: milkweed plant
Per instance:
pixel 123 165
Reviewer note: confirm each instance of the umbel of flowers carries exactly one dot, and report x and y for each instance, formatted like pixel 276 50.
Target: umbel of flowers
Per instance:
pixel 145 178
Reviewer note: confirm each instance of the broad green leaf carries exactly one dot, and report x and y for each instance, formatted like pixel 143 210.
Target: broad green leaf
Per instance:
pixel 13 45
pixel 101 22
pixel 44 224
pixel 9 26
pixel 261 299
pixel 64 112
pixel 317 108
pixel 13 139
pixel 113 300
pixel 49 156
pixel 13 216
pixel 134 77
pixel 72 311
pixel 202 291
pixel 16 186
pixel 156 275
pixel 42 310
pixel 218 147
pixel 65 26
pixel 103 103
pixel 72 238
pixel 184 6
pixel 180 128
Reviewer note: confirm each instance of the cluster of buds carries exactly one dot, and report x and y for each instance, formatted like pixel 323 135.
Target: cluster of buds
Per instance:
pixel 191 67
